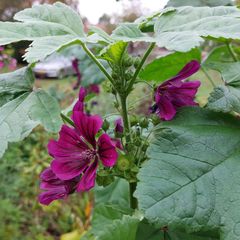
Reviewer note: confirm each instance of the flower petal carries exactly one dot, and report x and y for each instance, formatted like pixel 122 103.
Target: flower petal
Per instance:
pixel 79 106
pixel 88 179
pixel 55 193
pixel 118 125
pixel 107 151
pixel 48 175
pixel 165 110
pixel 87 126
pixel 69 168
pixel 187 71
pixel 69 145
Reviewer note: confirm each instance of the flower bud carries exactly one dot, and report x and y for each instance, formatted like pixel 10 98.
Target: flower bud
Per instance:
pixel 119 127
pixel 143 123
pixel 123 163
pixel 105 125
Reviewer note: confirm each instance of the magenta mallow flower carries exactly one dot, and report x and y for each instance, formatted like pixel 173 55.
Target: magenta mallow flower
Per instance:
pixel 78 153
pixel 119 126
pixel 94 88
pixel 176 93
pixel 75 66
pixel 79 105
pixel 55 188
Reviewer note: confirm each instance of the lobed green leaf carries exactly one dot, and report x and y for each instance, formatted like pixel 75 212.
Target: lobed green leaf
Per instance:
pixel 192 179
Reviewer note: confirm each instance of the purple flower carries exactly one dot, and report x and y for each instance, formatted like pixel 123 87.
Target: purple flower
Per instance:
pixel 75 63
pixel 78 153
pixel 119 126
pixel 54 188
pixel 1 48
pixel 176 93
pixel 94 88
pixel 79 106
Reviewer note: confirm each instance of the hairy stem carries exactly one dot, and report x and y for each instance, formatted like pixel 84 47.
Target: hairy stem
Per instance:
pixel 147 53
pixel 132 186
pixel 126 123
pixel 101 67
pixel 231 51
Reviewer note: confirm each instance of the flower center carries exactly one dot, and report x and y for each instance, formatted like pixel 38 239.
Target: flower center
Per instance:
pixel 89 154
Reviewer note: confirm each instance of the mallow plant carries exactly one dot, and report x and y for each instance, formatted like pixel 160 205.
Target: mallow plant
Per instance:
pixel 173 174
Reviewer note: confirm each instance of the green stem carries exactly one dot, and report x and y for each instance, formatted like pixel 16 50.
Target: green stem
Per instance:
pixel 132 186
pixel 147 53
pixel 208 77
pixel 133 200
pixel 231 51
pixel 101 67
pixel 126 124
pixel 66 119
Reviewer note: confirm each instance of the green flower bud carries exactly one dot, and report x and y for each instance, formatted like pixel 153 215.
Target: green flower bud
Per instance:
pixel 123 163
pixel 137 62
pixel 143 123
pixel 104 181
pixel 105 125
pixel 127 61
pixel 133 120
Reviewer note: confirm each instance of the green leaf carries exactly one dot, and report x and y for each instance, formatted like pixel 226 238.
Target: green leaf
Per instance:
pixel 130 32
pixel 56 14
pixel 219 54
pixel 149 232
pixel 24 108
pixel 226 98
pixel 229 72
pixel 199 3
pixel 165 67
pixel 14 84
pixel 192 180
pixel 114 52
pixel 185 28
pixel 124 228
pixel 101 33
pixel 50 27
pixel 115 193
pixel 111 222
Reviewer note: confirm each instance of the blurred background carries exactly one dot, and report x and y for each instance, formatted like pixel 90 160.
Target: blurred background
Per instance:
pixel 21 216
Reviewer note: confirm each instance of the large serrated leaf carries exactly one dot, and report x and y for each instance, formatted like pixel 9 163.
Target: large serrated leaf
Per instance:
pixel 192 180
pixel 226 98
pixel 185 28
pixel 24 108
pixel 111 222
pixel 14 84
pixel 116 193
pixel 50 27
pixel 167 66
pixel 149 232
pixel 199 3
pixel 130 32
